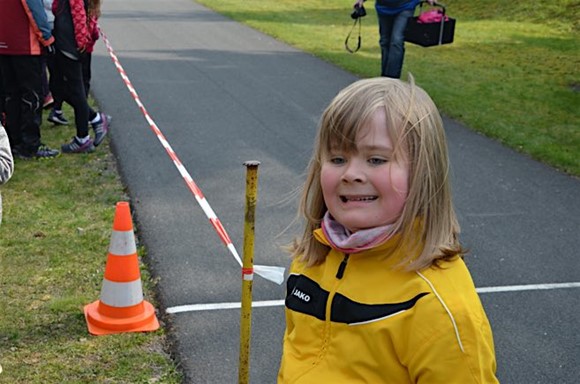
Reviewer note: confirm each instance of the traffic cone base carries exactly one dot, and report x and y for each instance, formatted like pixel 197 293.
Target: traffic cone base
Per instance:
pixel 101 324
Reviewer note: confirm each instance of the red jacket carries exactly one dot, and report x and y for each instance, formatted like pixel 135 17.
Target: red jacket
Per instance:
pixel 71 25
pixel 93 27
pixel 24 28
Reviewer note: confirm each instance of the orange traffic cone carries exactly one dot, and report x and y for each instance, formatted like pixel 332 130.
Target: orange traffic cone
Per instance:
pixel 121 307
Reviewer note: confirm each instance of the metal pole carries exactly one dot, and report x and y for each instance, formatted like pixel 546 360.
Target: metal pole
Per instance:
pixel 248 270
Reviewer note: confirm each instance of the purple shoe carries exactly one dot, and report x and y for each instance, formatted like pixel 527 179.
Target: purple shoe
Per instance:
pixel 101 128
pixel 76 147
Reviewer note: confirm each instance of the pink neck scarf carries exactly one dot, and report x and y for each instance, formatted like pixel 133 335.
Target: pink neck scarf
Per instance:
pixel 346 241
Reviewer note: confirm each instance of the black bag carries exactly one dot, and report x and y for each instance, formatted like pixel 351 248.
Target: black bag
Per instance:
pixel 427 34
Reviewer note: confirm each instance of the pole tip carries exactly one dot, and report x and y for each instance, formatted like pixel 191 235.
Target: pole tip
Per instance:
pixel 251 163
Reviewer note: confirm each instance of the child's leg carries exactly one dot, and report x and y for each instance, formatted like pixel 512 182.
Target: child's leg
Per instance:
pixel 55 82
pixel 46 95
pixel 86 65
pixel 23 101
pixel 74 92
pixel 99 121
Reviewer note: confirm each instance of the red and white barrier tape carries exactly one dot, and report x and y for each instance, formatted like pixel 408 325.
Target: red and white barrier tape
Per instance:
pixel 274 274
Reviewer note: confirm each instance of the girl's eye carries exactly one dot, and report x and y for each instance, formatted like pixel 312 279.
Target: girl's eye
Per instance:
pixel 337 160
pixel 377 160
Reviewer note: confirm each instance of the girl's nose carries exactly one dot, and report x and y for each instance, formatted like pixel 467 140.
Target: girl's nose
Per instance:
pixel 353 172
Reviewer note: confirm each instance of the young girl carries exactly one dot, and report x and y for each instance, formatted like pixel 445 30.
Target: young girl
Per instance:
pixel 73 22
pixel 56 115
pixel 378 291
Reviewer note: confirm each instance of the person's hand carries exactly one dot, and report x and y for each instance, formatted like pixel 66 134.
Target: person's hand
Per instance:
pixel 358 3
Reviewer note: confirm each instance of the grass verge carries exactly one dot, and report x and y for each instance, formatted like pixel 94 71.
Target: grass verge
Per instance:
pixel 511 72
pixel 58 217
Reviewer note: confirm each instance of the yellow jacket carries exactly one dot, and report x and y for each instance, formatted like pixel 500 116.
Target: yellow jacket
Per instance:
pixel 356 319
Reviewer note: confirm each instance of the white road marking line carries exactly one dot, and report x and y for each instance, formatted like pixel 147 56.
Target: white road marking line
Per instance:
pixel 531 287
pixel 209 307
pixel 279 303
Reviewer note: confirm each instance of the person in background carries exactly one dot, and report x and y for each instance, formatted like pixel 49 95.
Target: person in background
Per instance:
pixel 56 115
pixel 71 29
pixel 86 58
pixel 24 33
pixel 378 291
pixel 53 100
pixel 48 100
pixel 6 162
pixel 393 16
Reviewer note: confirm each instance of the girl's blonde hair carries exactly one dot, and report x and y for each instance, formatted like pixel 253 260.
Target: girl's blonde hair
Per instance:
pixel 428 225
pixel 94 8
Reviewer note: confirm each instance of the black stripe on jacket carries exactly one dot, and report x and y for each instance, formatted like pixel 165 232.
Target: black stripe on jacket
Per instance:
pixel 304 295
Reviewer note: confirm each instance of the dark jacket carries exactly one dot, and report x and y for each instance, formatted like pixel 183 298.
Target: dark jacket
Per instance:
pixel 24 28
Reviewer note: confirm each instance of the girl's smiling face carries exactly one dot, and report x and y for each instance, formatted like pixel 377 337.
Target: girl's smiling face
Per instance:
pixel 366 188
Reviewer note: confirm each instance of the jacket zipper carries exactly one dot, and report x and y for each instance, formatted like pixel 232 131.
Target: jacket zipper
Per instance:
pixel 339 275
pixel 342 266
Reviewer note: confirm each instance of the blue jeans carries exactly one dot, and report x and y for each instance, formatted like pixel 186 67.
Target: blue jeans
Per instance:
pixel 392 42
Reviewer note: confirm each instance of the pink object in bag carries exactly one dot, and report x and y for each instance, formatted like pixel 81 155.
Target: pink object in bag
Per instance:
pixel 432 16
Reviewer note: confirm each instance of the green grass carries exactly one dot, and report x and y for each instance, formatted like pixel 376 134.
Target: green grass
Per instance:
pixel 54 239
pixel 511 72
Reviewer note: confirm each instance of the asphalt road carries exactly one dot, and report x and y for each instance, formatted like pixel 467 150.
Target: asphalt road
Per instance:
pixel 221 94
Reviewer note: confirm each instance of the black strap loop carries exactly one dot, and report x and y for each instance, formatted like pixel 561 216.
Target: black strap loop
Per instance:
pixel 359 21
